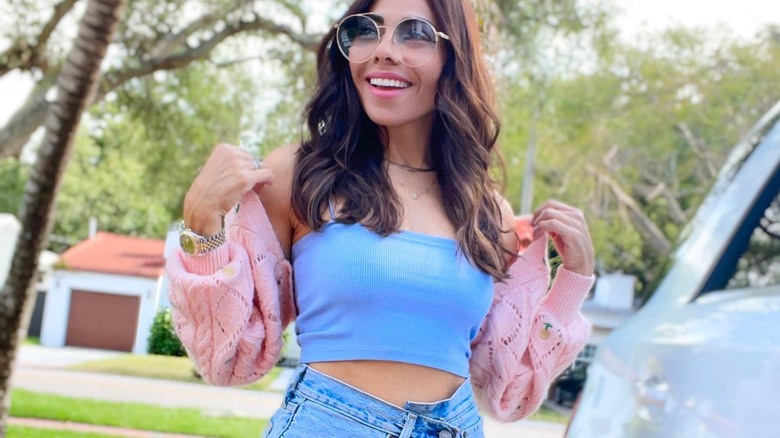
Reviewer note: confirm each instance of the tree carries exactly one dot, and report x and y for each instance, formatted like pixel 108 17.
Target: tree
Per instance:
pixel 637 138
pixel 75 84
pixel 135 158
pixel 153 37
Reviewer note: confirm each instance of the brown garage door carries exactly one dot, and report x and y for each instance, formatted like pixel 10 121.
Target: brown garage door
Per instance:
pixel 100 320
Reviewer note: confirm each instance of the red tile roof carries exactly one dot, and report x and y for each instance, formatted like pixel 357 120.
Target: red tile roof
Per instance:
pixel 117 254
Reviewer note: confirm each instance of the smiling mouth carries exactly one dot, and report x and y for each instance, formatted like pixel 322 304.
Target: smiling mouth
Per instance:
pixel 389 84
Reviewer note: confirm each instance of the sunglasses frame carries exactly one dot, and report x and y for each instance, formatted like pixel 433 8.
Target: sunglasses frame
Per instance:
pixel 382 31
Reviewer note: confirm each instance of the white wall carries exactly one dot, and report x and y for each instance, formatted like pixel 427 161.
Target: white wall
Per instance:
pixel 9 231
pixel 57 308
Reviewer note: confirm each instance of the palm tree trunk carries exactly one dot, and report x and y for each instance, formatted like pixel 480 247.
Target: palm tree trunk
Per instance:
pixel 75 85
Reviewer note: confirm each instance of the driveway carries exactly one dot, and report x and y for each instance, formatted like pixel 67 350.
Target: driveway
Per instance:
pixel 40 369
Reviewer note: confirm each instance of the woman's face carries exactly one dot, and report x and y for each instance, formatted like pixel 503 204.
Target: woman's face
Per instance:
pixel 411 96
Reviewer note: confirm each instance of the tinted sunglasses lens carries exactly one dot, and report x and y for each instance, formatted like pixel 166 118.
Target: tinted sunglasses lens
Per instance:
pixel 357 38
pixel 415 41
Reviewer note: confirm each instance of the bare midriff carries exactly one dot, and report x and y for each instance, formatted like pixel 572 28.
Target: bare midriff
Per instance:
pixel 394 382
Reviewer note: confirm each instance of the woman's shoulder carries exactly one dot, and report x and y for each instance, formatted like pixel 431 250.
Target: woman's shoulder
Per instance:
pixel 282 159
pixel 276 197
pixel 509 238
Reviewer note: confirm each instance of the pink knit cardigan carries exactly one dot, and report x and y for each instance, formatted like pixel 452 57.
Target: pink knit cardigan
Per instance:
pixel 231 306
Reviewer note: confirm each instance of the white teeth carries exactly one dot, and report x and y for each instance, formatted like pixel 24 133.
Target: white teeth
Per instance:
pixel 379 82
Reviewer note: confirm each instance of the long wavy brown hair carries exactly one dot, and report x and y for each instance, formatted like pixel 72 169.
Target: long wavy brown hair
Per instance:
pixel 343 157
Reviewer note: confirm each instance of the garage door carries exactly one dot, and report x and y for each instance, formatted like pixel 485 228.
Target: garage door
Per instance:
pixel 104 321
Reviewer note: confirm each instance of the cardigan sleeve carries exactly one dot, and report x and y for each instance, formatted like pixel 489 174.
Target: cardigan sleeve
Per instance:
pixel 528 336
pixel 231 306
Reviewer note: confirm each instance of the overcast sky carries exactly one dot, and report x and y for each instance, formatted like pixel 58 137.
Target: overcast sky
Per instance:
pixel 744 17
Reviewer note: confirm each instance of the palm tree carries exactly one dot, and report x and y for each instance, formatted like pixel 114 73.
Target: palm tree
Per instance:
pixel 75 85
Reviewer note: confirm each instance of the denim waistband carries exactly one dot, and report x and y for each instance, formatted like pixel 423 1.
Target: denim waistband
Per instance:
pixel 456 414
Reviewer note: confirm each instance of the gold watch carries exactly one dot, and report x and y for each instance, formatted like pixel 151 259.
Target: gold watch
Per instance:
pixel 194 244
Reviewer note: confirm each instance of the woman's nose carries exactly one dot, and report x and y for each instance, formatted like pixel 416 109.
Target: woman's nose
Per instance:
pixel 384 49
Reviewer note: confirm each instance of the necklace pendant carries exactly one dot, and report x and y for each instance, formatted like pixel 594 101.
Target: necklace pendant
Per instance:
pixel 414 195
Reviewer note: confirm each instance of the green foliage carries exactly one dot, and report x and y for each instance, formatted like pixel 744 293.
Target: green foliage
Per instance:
pixel 13 177
pixel 162 337
pixel 143 147
pixel 624 118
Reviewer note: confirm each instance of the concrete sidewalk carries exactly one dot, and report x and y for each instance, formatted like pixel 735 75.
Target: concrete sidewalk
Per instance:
pixel 41 369
pixel 36 356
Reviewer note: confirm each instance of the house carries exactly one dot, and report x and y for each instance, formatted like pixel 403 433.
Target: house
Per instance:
pixel 104 294
pixel 9 232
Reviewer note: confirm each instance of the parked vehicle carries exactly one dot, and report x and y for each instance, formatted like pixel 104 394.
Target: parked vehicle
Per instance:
pixel 567 386
pixel 702 358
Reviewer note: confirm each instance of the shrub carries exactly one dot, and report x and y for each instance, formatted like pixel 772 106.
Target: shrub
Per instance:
pixel 162 337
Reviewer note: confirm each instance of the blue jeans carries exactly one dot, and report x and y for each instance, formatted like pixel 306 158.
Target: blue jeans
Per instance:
pixel 317 405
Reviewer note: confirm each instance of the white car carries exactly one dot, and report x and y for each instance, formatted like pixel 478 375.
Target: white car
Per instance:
pixel 702 358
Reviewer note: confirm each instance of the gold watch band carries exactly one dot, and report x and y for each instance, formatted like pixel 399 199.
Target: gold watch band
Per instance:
pixel 194 244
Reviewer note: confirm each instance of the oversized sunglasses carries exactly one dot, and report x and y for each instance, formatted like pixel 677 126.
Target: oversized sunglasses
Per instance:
pixel 414 39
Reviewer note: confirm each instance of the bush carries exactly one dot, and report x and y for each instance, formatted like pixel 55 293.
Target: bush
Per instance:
pixel 162 338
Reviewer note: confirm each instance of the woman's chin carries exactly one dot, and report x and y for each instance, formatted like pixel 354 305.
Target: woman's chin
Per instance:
pixel 391 119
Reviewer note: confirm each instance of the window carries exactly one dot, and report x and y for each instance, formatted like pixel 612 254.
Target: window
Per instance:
pixel 759 265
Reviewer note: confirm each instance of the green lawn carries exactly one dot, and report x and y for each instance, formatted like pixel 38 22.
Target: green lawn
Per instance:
pixel 28 432
pixel 160 367
pixel 545 414
pixel 31 340
pixel 131 415
pixel 181 368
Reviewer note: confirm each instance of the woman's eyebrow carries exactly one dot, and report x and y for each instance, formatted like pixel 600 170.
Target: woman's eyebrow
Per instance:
pixel 377 18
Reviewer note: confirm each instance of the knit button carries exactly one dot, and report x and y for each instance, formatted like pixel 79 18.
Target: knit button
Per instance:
pixel 445 434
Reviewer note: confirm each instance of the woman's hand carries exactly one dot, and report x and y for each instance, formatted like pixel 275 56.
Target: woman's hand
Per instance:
pixel 227 175
pixel 569 233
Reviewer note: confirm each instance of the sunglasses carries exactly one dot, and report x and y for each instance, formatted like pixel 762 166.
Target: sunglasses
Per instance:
pixel 414 39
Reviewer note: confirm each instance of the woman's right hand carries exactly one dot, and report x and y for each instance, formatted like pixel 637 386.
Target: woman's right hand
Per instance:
pixel 227 175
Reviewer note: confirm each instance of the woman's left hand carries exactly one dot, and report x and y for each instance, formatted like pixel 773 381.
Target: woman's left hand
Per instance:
pixel 569 232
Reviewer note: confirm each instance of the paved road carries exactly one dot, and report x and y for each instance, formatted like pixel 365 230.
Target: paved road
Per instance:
pixel 35 373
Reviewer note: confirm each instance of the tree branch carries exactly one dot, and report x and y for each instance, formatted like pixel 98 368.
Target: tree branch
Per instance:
pixel 169 44
pixel 232 62
pixel 116 78
pixel 28 119
pixel 19 129
pixel 699 148
pixel 650 193
pixel 653 236
pixel 20 56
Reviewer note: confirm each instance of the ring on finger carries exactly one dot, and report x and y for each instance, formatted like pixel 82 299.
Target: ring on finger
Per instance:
pixel 257 163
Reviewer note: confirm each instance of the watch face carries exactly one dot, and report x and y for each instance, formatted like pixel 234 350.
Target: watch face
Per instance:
pixel 187 243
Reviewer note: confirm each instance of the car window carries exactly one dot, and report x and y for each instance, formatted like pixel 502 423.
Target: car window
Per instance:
pixel 752 258
pixel 759 265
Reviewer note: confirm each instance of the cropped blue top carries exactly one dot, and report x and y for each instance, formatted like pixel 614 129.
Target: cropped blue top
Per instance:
pixel 409 297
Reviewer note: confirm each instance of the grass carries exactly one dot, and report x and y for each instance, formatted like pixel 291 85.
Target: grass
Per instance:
pixel 160 367
pixel 30 432
pixel 31 340
pixel 130 415
pixel 181 369
pixel 546 414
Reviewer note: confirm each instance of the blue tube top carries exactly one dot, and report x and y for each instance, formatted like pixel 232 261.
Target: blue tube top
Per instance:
pixel 409 297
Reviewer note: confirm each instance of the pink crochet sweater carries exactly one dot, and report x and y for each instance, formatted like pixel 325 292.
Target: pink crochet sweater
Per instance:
pixel 231 306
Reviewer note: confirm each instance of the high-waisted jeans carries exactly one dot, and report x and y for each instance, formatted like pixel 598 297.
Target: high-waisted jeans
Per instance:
pixel 317 405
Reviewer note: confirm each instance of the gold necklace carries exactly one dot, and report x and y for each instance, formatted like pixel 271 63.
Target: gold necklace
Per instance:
pixel 415 194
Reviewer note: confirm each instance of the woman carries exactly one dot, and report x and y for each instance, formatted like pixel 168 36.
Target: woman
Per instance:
pixel 409 293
